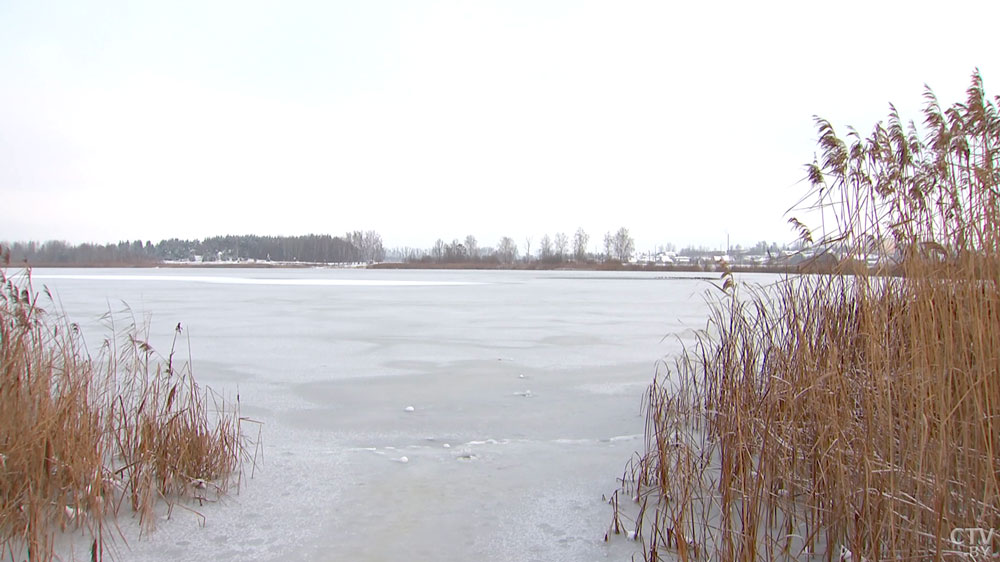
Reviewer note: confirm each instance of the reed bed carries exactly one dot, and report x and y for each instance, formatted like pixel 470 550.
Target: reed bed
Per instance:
pixel 854 415
pixel 82 437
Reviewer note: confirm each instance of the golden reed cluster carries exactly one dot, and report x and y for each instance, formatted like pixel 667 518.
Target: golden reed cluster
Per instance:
pixel 853 415
pixel 82 437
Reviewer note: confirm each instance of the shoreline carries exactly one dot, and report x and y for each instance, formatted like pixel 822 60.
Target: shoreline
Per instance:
pixel 458 266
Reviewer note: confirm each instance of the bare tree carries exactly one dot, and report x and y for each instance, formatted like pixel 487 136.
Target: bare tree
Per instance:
pixel 368 245
pixel 545 248
pixel 438 251
pixel 623 245
pixel 455 252
pixel 609 245
pixel 580 240
pixel 507 250
pixel 373 249
pixel 472 247
pixel 561 244
pixel 527 248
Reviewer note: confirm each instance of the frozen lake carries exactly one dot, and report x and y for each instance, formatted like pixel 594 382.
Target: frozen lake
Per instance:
pixel 534 380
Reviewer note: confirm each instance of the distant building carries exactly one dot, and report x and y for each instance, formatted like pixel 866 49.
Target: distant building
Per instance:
pixel 666 257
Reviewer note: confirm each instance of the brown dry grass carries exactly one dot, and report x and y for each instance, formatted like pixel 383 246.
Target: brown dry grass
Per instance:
pixel 80 437
pixel 848 415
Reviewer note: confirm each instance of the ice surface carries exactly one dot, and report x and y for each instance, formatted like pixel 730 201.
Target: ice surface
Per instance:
pixel 331 362
pixel 230 280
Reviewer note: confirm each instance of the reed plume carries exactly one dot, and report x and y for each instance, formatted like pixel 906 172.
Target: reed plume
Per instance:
pixel 853 415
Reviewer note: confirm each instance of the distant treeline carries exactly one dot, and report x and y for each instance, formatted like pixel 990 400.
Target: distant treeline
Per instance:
pixel 558 250
pixel 353 247
pixel 617 248
pixel 552 250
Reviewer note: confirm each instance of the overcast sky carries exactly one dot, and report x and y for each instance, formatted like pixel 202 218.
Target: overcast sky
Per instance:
pixel 422 120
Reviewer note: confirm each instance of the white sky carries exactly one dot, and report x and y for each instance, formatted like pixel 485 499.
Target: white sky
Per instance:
pixel 422 120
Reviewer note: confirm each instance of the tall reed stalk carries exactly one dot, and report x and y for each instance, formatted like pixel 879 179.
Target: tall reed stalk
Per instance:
pixel 81 436
pixel 854 415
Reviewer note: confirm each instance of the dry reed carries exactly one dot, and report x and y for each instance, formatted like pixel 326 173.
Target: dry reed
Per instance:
pixel 81 436
pixel 855 415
